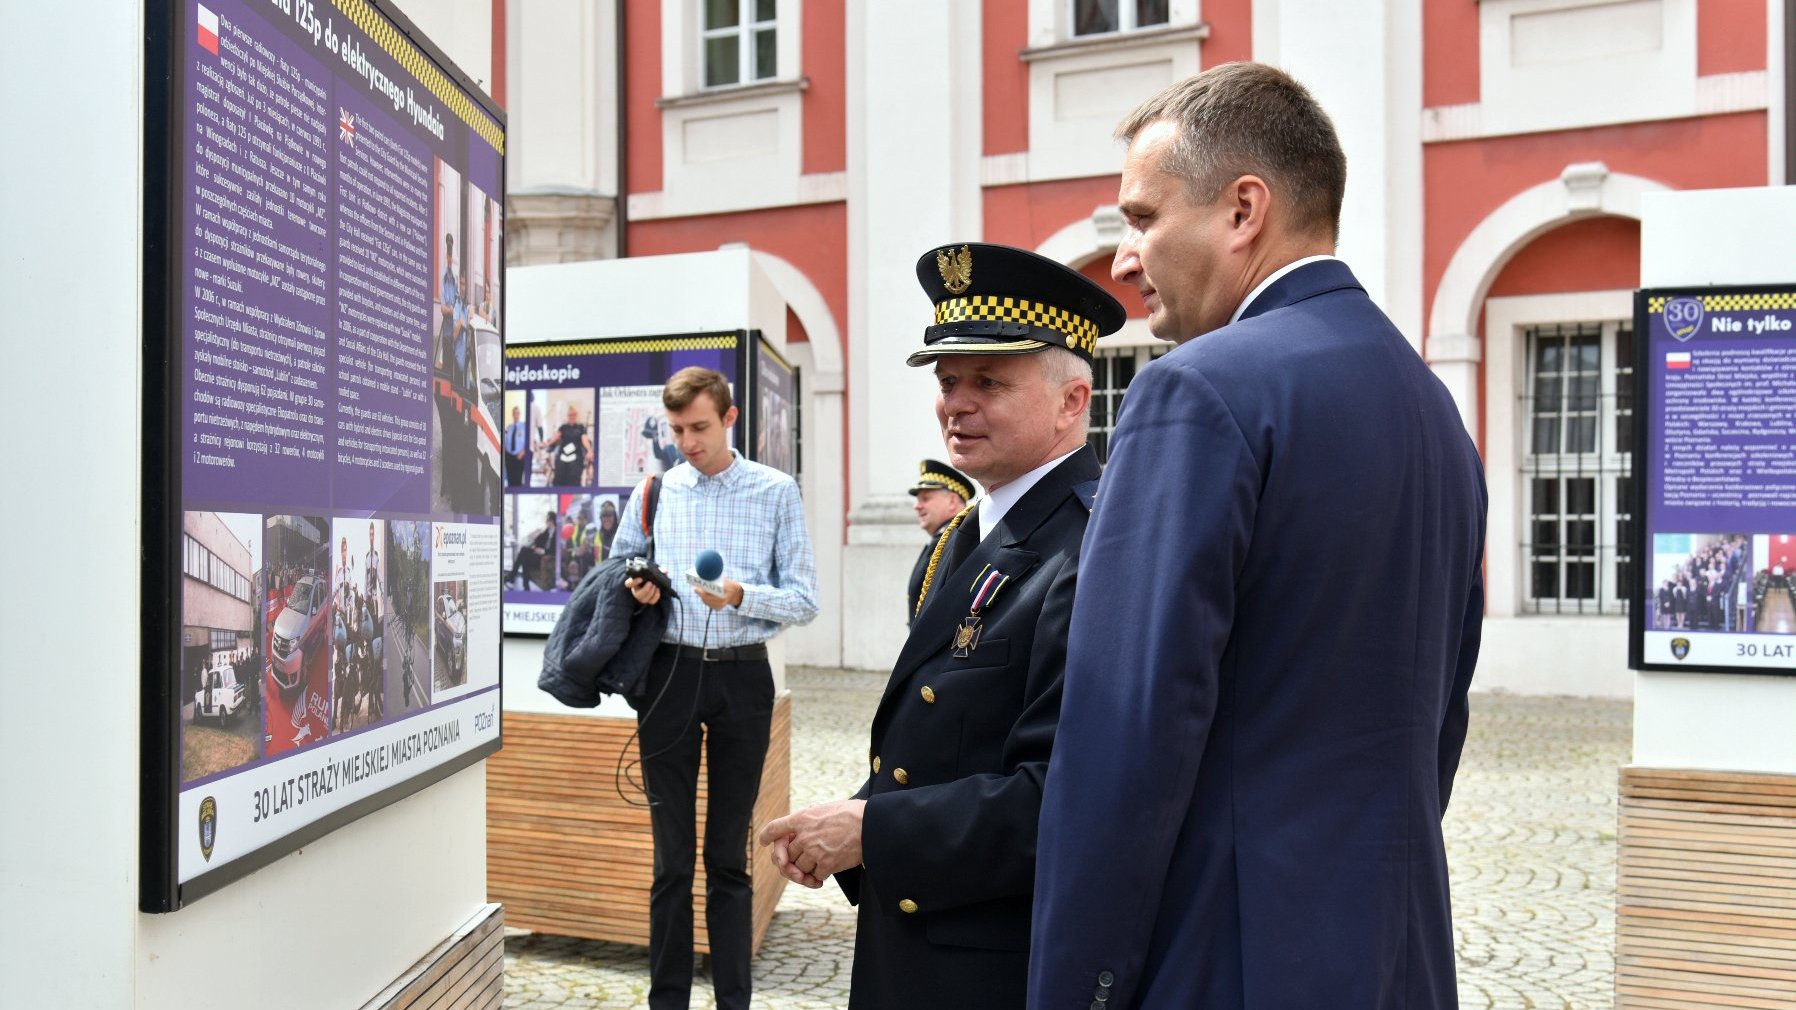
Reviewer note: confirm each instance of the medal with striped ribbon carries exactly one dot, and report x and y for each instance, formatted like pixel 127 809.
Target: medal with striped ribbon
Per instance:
pixel 985 588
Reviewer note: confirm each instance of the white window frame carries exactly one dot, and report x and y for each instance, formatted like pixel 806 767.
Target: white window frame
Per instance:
pixel 1106 401
pixel 745 30
pixel 1506 442
pixel 1605 466
pixel 730 147
pixel 1125 19
pixel 1080 86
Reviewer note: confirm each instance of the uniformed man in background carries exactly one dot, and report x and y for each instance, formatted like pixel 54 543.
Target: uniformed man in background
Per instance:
pixel 938 846
pixel 940 492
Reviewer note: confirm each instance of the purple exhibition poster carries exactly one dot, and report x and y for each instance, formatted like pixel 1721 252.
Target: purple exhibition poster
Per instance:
pixel 335 249
pixel 1717 377
pixel 583 427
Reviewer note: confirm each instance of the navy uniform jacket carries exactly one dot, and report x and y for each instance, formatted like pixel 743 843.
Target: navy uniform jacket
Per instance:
pixel 1266 682
pixel 960 746
pixel 916 581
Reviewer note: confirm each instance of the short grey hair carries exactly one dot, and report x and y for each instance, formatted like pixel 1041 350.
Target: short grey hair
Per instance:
pixel 1241 119
pixel 1058 365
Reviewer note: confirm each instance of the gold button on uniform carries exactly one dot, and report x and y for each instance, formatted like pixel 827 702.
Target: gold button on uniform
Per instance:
pixel 876 764
pixel 901 775
pixel 907 906
pixel 928 695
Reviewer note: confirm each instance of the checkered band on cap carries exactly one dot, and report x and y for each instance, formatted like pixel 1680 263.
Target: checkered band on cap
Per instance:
pixel 1080 332
pixel 947 483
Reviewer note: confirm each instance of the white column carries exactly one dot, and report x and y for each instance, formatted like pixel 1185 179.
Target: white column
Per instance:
pixel 913 174
pixel 1454 358
pixel 561 154
pixel 1363 62
pixel 1777 73
pixel 68 839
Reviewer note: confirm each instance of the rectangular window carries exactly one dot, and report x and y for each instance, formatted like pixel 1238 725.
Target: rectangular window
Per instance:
pixel 738 41
pixel 200 563
pixel 1100 17
pixel 1576 473
pixel 1111 373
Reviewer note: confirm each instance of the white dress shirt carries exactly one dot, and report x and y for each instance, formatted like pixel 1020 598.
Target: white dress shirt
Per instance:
pixel 995 503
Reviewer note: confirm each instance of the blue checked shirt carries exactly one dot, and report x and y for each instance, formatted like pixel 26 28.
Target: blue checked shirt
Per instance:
pixel 751 514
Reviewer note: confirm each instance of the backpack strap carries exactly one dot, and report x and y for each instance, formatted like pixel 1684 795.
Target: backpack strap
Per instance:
pixel 651 497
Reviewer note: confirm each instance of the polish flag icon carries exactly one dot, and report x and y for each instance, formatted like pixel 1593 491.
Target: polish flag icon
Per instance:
pixel 208 30
pixel 1677 361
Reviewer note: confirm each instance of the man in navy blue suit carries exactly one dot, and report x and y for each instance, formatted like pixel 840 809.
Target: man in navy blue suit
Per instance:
pixel 1278 610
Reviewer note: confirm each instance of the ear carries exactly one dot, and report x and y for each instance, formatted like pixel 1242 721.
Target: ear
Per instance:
pixel 729 416
pixel 1073 399
pixel 1250 204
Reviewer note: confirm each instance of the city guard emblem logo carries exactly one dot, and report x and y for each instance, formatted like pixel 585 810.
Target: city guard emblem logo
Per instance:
pixel 1680 647
pixel 208 826
pixel 956 269
pixel 1683 317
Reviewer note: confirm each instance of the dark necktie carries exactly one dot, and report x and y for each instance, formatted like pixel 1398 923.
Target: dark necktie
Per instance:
pixel 963 543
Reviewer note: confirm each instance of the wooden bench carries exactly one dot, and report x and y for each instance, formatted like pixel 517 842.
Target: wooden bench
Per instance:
pixel 566 855
pixel 1706 890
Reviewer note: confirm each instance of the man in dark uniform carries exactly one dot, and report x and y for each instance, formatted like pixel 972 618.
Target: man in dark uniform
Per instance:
pixel 940 492
pixel 938 847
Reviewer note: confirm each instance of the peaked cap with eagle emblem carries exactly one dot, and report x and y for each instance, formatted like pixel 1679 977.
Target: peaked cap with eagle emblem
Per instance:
pixel 997 299
pixel 933 473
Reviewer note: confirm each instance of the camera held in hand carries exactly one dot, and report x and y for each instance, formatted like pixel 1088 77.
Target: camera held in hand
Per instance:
pixel 646 570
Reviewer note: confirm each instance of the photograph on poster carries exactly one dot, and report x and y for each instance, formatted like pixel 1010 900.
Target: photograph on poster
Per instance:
pixel 449 604
pixel 515 439
pixel 466 437
pixel 1697 579
pixel 588 524
pixel 407 612
pixel 357 624
pixel 634 440
pixel 1773 595
pixel 530 526
pixel 296 690
pixel 564 429
pixel 449 307
pixel 776 416
pixel 221 658
pixel 486 352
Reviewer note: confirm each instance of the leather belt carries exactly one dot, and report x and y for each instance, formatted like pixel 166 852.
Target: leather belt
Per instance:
pixel 733 654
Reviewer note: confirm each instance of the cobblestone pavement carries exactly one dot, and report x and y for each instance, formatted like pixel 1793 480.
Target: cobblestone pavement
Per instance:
pixel 1530 839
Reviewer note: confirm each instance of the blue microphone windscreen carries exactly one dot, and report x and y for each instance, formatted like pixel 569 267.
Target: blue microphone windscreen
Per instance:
pixel 709 565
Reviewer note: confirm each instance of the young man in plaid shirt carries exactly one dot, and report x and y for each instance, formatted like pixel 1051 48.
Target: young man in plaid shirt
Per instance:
pixel 711 671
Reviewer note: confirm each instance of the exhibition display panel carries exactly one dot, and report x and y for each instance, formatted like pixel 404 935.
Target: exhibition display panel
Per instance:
pixel 1714 448
pixel 584 427
pixel 323 320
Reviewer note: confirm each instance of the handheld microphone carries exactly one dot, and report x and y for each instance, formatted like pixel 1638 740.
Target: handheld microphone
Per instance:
pixel 707 572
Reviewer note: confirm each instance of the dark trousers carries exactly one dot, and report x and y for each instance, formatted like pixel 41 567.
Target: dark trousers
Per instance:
pixel 734 706
pixel 514 470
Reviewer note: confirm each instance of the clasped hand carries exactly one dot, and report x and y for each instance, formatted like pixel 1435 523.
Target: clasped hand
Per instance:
pixel 809 845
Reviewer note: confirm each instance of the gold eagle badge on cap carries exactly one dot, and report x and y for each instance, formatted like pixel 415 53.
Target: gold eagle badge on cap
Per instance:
pixel 956 268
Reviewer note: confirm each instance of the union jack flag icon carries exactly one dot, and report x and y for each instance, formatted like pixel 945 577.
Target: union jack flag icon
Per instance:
pixel 347 122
